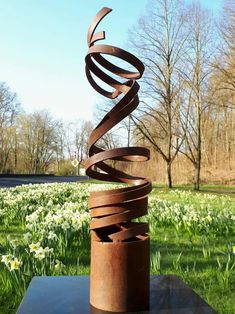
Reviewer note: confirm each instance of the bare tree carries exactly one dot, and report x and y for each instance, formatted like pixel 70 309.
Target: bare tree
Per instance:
pixel 196 72
pixel 82 133
pixel 225 60
pixel 76 136
pixel 60 145
pixel 159 40
pixel 9 108
pixel 38 141
pixel 119 135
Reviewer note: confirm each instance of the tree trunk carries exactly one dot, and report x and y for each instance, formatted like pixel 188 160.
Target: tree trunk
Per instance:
pixel 197 169
pixel 169 177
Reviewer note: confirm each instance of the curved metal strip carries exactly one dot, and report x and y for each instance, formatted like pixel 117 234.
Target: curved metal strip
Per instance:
pixel 112 211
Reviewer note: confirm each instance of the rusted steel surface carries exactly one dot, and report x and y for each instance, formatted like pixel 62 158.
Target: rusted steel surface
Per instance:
pixel 120 247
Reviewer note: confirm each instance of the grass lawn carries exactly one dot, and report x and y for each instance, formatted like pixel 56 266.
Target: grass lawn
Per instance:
pixel 197 265
pixel 202 257
pixel 221 189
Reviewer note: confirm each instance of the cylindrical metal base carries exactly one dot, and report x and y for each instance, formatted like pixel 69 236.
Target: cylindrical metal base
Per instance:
pixel 120 275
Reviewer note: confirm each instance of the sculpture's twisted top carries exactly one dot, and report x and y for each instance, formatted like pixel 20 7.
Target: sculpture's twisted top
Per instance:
pixel 113 210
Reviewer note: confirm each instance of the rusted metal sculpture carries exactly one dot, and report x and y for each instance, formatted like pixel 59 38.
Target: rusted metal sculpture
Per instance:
pixel 119 247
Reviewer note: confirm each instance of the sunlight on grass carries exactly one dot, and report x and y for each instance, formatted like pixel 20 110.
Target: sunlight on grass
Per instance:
pixel 44 230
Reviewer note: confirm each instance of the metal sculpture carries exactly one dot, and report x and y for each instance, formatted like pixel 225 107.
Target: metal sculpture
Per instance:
pixel 119 246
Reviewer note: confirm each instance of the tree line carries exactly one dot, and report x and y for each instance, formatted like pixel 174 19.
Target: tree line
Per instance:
pixel 187 101
pixel 36 143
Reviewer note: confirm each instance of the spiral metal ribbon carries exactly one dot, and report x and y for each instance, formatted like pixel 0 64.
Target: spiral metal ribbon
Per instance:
pixel 112 211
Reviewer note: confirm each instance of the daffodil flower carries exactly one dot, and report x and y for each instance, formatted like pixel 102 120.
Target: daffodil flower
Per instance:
pixel 233 249
pixel 6 259
pixel 15 264
pixel 59 264
pixel 40 253
pixel 34 247
pixel 52 236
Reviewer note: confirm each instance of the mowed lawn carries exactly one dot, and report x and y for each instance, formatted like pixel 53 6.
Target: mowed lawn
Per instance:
pixel 44 230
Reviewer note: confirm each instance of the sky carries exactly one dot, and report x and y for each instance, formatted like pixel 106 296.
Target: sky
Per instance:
pixel 43 46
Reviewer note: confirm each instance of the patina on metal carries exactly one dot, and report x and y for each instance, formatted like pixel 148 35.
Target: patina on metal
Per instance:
pixel 119 246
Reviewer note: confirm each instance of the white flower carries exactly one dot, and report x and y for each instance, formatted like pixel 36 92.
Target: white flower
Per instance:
pixel 84 217
pixel 14 243
pixel 233 249
pixel 15 264
pixel 59 264
pixel 40 253
pixel 52 236
pixel 29 226
pixel 48 250
pixel 65 225
pixel 6 259
pixel 34 247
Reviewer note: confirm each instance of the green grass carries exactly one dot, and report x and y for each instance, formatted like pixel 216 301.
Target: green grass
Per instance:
pixel 218 187
pixel 224 189
pixel 183 256
pixel 204 262
pixel 77 263
pixel 200 273
pixel 8 301
pixel 204 188
pixel 219 190
pixel 167 195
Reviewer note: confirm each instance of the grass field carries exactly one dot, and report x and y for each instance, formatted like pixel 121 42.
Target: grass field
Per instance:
pixel 44 231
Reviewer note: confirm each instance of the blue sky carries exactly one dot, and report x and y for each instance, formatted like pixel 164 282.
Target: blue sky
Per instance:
pixel 43 45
